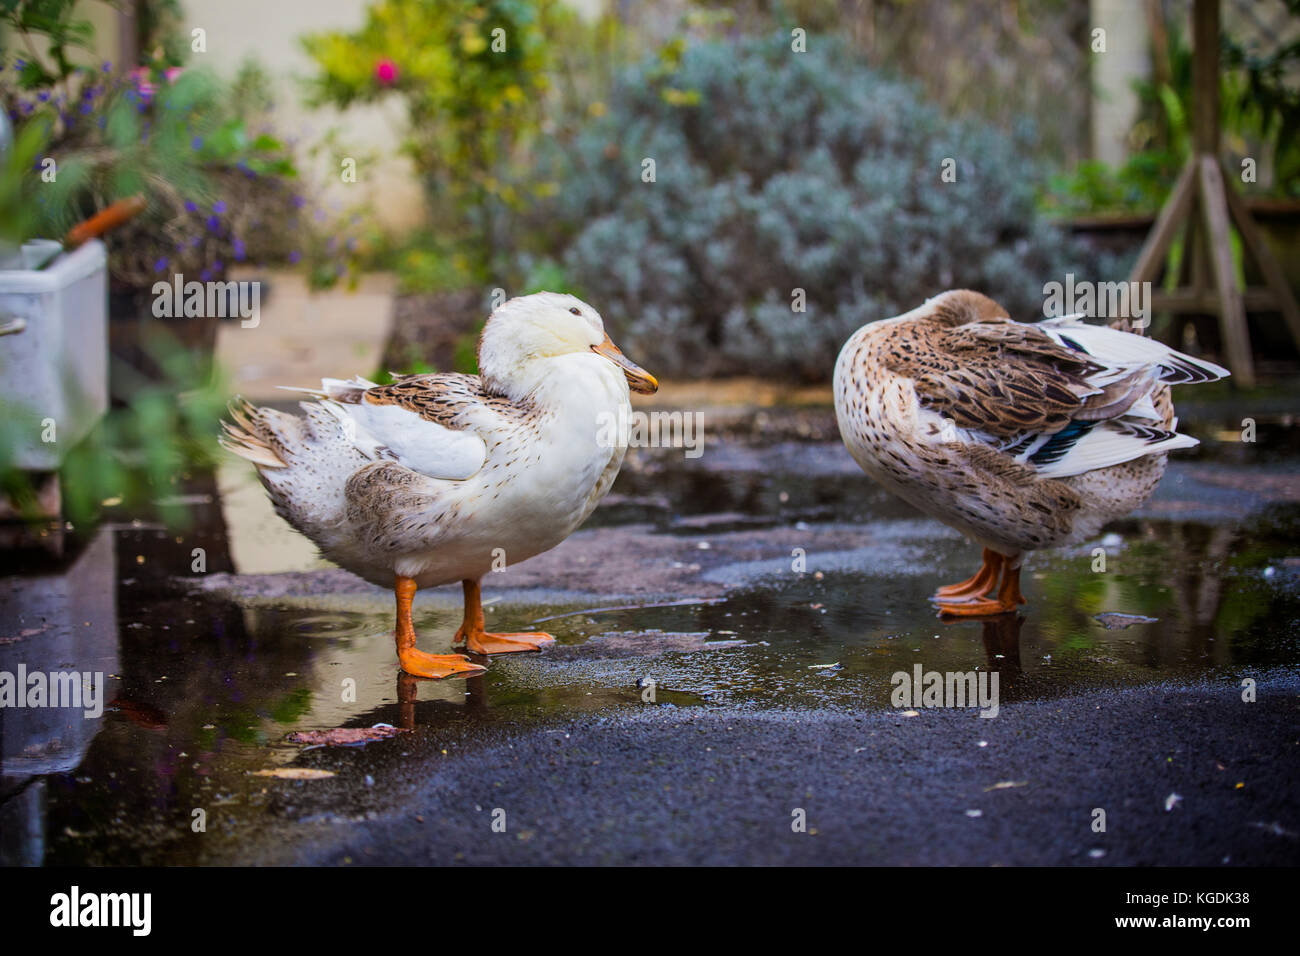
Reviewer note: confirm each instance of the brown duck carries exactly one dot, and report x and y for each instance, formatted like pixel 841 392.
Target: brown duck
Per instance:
pixel 1020 436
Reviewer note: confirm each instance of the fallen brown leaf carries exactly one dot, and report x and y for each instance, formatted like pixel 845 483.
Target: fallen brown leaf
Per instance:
pixel 294 773
pixel 344 736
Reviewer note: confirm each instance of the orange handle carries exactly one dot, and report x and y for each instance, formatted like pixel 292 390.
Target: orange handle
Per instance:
pixel 109 218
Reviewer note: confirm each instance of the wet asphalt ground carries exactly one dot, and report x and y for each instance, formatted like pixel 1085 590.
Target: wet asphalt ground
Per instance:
pixel 770 590
pixel 1184 775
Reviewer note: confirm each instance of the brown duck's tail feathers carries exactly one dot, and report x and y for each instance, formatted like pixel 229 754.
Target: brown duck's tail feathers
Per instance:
pixel 247 437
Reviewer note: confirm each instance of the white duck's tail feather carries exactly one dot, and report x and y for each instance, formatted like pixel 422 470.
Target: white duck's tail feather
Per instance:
pixel 304 462
pixel 246 437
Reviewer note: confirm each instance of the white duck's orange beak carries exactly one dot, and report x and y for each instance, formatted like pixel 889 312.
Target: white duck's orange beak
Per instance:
pixel 638 379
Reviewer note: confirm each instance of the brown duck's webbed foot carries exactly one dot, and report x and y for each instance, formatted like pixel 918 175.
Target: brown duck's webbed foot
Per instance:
pixel 979 584
pixel 1008 598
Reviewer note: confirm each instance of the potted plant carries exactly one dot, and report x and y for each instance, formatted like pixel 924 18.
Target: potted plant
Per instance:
pixel 218 193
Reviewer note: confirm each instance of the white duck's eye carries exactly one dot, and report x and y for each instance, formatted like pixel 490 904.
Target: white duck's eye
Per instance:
pixel 575 310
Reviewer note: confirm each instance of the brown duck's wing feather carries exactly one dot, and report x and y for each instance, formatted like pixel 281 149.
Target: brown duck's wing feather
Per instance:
pixel 994 375
pixel 1054 500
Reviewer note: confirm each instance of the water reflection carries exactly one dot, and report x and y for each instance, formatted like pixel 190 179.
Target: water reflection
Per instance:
pixel 60 635
pixel 209 688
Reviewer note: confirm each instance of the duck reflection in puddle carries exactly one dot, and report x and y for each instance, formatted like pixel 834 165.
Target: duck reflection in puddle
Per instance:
pixel 1001 635
pixel 408 693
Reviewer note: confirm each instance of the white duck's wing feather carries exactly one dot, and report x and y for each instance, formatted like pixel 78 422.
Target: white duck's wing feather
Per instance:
pixel 404 436
pixel 432 424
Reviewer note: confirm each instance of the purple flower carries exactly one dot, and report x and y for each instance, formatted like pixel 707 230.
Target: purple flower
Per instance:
pixel 206 275
pixel 218 266
pixel 196 142
pixel 107 67
pixel 239 250
pixel 160 265
pixel 299 202
pixel 191 206
pixel 214 223
pixel 219 207
pixel 295 256
pixel 43 95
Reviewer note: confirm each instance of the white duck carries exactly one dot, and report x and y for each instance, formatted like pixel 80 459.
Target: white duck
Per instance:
pixel 439 478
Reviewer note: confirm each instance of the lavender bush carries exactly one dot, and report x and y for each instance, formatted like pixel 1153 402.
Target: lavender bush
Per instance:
pixel 777 171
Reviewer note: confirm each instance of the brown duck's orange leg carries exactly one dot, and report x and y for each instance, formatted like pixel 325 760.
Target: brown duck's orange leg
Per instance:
pixel 983 581
pixel 1008 597
pixel 479 641
pixel 415 661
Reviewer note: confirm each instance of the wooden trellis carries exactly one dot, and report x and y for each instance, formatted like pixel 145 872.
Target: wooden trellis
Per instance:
pixel 1204 203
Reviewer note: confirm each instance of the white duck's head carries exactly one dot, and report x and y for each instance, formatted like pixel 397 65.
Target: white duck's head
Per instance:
pixel 525 332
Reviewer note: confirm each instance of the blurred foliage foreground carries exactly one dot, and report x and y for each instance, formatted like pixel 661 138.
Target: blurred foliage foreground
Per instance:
pixel 140 455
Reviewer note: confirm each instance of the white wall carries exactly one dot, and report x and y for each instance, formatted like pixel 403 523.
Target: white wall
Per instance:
pixel 269 30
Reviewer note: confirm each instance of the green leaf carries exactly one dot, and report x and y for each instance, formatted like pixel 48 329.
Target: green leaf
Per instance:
pixel 33 75
pixel 123 126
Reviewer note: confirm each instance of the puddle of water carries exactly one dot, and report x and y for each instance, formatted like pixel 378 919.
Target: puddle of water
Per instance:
pixel 205 689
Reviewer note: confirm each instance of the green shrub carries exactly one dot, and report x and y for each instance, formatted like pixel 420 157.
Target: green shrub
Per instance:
pixel 778 171
pixel 473 75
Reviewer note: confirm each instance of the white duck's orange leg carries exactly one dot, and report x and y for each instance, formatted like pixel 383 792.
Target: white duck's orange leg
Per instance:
pixel 983 581
pixel 415 661
pixel 479 641
pixel 1008 597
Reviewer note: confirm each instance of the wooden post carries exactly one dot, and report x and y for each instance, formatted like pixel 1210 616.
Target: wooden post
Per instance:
pixel 128 39
pixel 1205 76
pixel 1232 311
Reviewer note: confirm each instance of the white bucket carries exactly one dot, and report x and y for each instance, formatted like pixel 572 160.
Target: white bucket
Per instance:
pixel 54 354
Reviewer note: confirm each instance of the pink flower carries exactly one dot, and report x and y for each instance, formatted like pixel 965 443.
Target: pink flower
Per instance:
pixel 172 72
pixel 140 77
pixel 386 72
